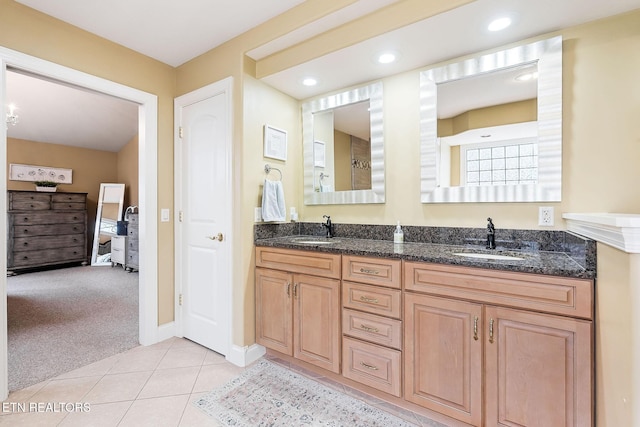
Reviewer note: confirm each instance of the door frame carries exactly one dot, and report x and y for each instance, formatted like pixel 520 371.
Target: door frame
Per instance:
pixel 147 183
pixel 224 86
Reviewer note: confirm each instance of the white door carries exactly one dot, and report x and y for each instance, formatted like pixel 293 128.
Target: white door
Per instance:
pixel 204 262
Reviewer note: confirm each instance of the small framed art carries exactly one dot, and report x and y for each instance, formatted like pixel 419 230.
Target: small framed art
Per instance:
pixel 275 143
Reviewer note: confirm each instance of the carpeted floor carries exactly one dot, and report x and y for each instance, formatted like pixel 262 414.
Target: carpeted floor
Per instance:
pixel 63 319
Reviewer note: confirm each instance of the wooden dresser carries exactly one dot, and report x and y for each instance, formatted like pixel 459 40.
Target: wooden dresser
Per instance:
pixel 131 253
pixel 45 229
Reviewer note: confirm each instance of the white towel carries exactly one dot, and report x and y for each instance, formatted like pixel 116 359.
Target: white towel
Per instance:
pixel 273 207
pixel 326 188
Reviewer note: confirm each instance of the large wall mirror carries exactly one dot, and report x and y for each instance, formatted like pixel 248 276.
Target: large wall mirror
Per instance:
pixel 110 201
pixel 491 127
pixel 343 148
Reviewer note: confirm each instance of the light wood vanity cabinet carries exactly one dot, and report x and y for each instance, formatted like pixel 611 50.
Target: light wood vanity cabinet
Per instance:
pixel 298 305
pixel 533 359
pixel 372 342
pixel 480 346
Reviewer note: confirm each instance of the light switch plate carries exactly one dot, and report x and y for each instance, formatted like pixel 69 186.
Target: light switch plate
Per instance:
pixel 164 215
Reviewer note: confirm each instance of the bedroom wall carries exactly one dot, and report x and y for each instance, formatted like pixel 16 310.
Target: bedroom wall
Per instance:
pixel 128 171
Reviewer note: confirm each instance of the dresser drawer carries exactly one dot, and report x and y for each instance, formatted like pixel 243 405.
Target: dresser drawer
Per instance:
pixel 374 271
pixel 132 219
pixel 68 206
pixel 118 249
pixel 372 365
pixel 373 328
pixel 294 261
pixel 29 218
pixel 69 198
pixel 46 256
pixel 372 299
pixel 21 244
pixel 48 230
pixel 551 294
pixel 29 201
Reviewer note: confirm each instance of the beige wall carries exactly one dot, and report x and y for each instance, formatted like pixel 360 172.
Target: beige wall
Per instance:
pixel 128 171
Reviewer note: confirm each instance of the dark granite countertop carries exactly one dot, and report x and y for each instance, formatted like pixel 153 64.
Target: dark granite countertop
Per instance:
pixel 573 257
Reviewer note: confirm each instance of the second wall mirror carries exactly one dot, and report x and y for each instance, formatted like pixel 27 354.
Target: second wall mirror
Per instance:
pixel 491 127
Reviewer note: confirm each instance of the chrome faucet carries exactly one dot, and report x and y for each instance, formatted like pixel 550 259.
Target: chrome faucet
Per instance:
pixel 491 234
pixel 328 226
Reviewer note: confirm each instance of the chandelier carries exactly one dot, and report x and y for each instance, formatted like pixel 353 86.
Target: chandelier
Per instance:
pixel 12 117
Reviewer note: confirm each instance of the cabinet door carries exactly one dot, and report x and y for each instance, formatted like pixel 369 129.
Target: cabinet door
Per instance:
pixel 538 369
pixel 273 310
pixel 316 320
pixel 443 356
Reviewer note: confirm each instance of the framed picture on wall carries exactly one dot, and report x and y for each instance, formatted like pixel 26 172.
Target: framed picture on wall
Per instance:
pixel 40 173
pixel 318 154
pixel 275 143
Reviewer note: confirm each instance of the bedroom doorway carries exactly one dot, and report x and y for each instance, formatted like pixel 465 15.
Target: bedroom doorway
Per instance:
pixel 147 173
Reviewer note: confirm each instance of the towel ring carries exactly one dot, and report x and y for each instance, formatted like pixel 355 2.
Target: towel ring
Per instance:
pixel 268 168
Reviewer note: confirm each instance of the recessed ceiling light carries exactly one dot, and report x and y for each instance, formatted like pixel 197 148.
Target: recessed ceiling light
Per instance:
pixel 527 77
pixel 387 58
pixel 499 24
pixel 309 81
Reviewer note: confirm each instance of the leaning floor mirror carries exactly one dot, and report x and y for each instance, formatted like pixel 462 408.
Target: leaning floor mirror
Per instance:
pixel 110 202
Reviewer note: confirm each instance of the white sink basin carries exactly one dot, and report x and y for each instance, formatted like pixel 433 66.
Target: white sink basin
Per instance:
pixel 489 256
pixel 317 242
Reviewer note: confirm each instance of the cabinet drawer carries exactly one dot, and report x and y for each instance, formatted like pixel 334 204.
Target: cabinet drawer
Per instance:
pixel 29 201
pixel 372 365
pixel 21 244
pixel 314 263
pixel 374 271
pixel 47 230
pixel 373 328
pixel 47 256
pixel 68 206
pixel 372 299
pixel 29 218
pixel 69 198
pixel 552 294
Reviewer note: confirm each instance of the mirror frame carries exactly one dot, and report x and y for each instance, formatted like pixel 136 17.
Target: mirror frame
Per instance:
pixel 96 231
pixel 376 194
pixel 548 54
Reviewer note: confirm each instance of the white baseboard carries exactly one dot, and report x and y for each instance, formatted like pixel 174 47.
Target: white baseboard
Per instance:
pixel 244 356
pixel 166 331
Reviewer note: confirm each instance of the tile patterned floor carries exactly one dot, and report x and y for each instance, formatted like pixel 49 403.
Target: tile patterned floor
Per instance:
pixel 145 386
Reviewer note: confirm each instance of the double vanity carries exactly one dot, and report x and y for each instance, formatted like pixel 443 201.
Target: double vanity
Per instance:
pixel 438 325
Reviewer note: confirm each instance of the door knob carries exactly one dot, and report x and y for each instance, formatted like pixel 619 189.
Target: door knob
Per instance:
pixel 219 237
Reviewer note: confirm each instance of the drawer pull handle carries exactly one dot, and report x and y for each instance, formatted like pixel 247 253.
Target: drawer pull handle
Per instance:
pixel 364 298
pixel 369 271
pixel 491 330
pixel 475 328
pixel 368 328
pixel 26 243
pixel 366 365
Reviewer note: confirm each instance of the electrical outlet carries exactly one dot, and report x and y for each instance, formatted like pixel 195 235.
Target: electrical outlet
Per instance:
pixel 257 215
pixel 545 216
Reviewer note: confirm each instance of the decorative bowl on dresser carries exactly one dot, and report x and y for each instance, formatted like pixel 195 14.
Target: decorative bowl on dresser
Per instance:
pixel 45 229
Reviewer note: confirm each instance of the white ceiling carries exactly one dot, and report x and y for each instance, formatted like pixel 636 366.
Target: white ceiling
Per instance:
pixel 175 32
